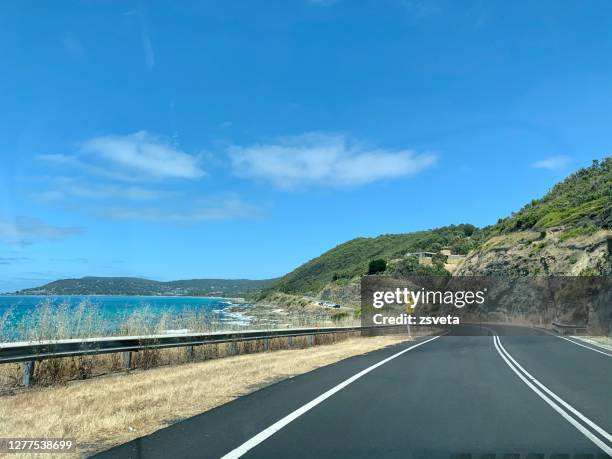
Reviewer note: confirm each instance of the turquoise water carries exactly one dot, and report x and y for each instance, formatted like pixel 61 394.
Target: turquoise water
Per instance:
pixel 21 312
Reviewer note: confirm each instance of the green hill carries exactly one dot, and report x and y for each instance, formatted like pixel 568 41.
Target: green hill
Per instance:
pixel 581 201
pixel 578 206
pixel 138 286
pixel 351 259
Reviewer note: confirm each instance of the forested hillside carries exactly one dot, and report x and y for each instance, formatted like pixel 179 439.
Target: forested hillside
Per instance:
pixel 351 259
pixel 581 201
pixel 564 232
pixel 138 286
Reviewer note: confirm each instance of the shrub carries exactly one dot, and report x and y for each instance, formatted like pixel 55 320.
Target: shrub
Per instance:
pixel 339 316
pixel 377 266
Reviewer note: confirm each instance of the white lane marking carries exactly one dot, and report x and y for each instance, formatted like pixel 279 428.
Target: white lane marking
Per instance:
pixel 569 407
pixel 278 425
pixel 582 345
pixel 587 433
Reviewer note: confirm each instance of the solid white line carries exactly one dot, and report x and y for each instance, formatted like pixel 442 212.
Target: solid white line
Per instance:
pixel 587 433
pixel 582 345
pixel 569 407
pixel 278 425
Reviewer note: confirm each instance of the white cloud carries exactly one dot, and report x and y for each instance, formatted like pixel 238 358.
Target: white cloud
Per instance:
pixel 131 157
pixel 146 154
pixel 223 210
pixel 25 231
pixel 552 163
pixel 324 160
pixel 66 187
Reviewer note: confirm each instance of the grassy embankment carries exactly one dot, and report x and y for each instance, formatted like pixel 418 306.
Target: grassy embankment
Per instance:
pixel 102 412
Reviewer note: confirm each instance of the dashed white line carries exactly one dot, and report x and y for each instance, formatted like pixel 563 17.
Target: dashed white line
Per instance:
pixel 532 382
pixel 278 425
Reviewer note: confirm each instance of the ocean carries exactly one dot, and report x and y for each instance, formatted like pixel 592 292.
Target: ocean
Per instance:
pixel 28 316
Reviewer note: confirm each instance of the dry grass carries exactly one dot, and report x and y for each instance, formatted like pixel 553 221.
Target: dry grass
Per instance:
pixel 49 321
pixel 63 370
pixel 102 412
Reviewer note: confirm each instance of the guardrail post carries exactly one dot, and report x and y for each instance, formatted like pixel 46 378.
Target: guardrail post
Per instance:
pixel 311 340
pixel 127 360
pixel 290 342
pixel 28 373
pixel 266 344
pixel 189 353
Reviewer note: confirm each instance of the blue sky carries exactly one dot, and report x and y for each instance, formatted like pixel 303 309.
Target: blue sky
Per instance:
pixel 239 139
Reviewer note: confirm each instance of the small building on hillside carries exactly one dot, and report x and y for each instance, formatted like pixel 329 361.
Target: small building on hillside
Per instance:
pixel 425 258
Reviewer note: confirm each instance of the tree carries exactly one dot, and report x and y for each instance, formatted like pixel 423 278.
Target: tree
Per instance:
pixel 438 260
pixel 468 230
pixel 377 266
pixel 407 266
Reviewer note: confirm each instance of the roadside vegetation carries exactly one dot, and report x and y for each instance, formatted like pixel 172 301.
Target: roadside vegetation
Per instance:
pixel 51 372
pixel 49 321
pixel 55 322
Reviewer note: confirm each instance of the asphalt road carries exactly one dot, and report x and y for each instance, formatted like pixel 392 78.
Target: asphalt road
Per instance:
pixel 455 396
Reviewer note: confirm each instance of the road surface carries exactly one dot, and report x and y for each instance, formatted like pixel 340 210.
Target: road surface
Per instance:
pixel 449 397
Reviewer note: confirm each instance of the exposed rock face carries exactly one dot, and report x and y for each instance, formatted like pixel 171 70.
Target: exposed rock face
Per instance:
pixel 530 253
pixel 346 295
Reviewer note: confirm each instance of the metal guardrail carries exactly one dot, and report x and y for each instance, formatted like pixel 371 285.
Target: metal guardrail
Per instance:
pixel 567 329
pixel 30 352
